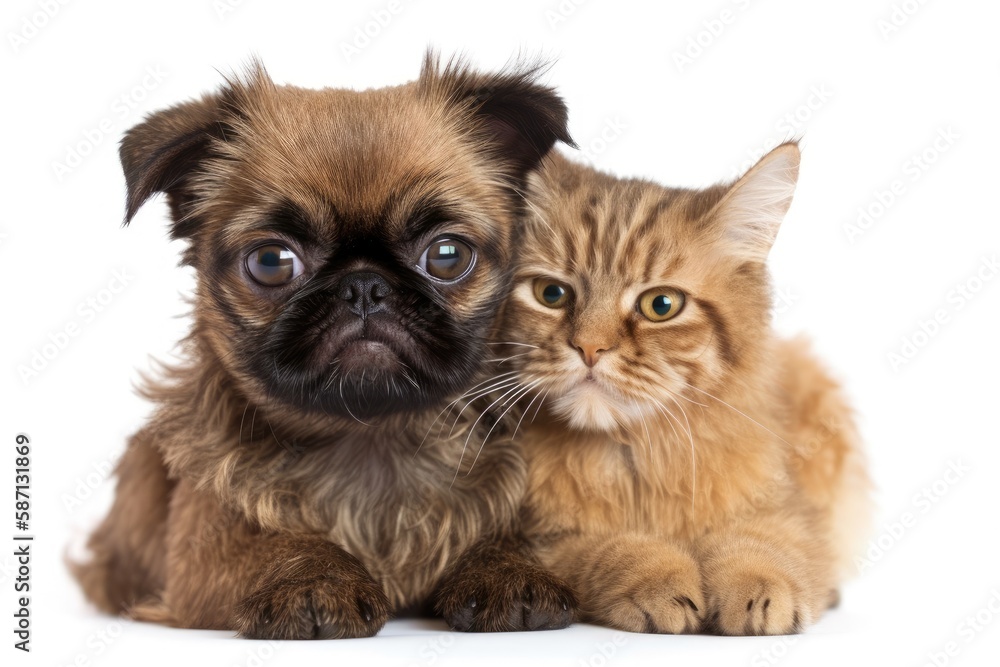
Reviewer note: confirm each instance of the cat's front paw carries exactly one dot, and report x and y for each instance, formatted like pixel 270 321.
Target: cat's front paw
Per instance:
pixel 665 597
pixel 336 605
pixel 745 601
pixel 494 590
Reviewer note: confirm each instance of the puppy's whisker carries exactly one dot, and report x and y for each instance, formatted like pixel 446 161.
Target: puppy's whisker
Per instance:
pixel 242 419
pixel 346 406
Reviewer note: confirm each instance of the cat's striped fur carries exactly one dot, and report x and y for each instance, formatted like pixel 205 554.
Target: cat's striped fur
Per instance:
pixel 701 474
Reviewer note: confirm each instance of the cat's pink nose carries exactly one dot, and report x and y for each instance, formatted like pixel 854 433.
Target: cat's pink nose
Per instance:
pixel 591 352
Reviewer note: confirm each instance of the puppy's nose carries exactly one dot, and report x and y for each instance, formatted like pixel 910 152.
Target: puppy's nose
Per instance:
pixel 365 292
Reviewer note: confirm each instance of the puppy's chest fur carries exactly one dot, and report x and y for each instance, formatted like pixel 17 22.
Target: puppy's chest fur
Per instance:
pixel 405 507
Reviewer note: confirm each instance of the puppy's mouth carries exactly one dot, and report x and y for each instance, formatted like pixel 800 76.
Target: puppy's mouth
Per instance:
pixel 365 368
pixel 363 354
pixel 363 346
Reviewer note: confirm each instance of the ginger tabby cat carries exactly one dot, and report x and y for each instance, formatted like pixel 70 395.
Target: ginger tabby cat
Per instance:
pixel 689 471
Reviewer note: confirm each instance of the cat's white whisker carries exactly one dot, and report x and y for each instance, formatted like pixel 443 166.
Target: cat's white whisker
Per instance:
pixel 694 460
pixel 507 342
pixel 500 361
pixel 538 214
pixel 512 382
pixel 524 414
pixel 472 429
pixel 743 414
pixel 513 401
pixel 448 408
pixel 544 396
pixel 642 418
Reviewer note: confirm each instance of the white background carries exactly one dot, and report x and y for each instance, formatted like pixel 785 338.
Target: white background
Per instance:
pixel 867 96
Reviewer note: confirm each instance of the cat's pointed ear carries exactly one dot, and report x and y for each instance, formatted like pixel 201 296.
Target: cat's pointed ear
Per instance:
pixel 752 209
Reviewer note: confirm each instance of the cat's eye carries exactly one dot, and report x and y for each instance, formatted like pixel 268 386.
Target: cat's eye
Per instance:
pixel 273 265
pixel 551 293
pixel 447 259
pixel 661 304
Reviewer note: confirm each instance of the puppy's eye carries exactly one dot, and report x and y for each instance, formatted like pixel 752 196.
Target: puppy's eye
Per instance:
pixel 273 265
pixel 447 260
pixel 661 304
pixel 551 293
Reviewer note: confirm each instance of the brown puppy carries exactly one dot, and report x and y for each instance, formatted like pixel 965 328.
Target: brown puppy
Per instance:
pixel 351 251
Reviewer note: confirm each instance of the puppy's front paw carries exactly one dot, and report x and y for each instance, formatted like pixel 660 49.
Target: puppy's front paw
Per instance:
pixel 337 605
pixel 497 591
pixel 748 601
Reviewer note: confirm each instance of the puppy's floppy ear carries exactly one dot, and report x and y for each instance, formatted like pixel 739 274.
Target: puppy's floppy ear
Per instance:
pixel 519 117
pixel 160 154
pixel 165 150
